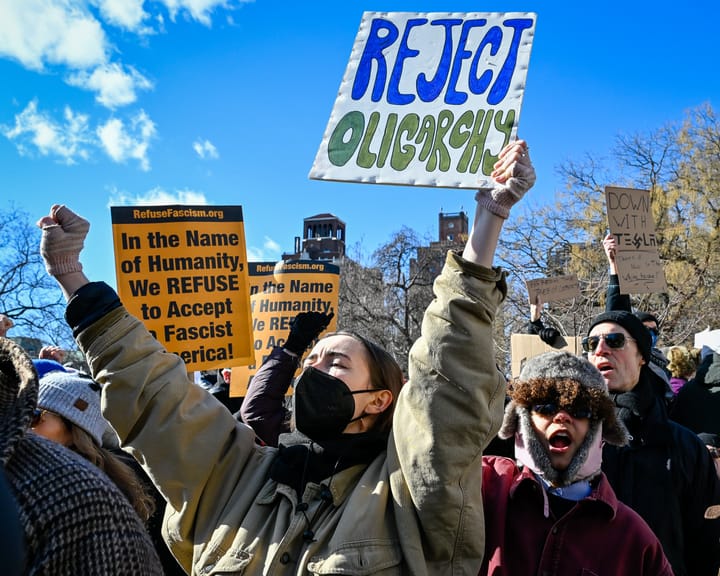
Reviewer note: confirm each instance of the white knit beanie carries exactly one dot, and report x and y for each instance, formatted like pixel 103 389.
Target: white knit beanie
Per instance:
pixel 76 398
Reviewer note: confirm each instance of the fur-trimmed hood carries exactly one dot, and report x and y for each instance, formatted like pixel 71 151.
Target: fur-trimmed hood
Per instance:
pixel 566 378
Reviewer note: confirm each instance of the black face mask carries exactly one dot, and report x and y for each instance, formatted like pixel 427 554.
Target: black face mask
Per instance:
pixel 324 405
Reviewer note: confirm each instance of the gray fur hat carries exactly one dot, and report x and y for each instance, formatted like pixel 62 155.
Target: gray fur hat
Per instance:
pixel 562 367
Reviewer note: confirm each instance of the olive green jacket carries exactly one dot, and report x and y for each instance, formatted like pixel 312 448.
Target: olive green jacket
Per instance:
pixel 415 510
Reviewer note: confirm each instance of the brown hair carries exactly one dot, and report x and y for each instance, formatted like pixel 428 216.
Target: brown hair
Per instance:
pixel 385 374
pixel 122 475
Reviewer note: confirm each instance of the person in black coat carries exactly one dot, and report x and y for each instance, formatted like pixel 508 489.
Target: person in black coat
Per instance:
pixel 666 473
pixel 697 405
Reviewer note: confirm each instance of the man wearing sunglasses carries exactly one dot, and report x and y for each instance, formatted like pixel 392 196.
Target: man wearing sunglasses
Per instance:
pixel 615 300
pixel 665 473
pixel 554 511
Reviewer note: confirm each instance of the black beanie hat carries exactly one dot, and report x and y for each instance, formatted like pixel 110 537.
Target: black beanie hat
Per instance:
pixel 647 317
pixel 632 324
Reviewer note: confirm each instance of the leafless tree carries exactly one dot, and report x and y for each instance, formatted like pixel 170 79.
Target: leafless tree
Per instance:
pixel 28 295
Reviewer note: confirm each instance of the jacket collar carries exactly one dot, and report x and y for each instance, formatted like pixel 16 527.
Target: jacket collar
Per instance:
pixel 526 485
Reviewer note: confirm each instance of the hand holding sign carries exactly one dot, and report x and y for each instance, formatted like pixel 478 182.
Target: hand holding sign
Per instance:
pixel 610 247
pixel 514 174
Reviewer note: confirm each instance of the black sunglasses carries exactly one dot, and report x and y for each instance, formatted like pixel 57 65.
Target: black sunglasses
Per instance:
pixel 552 408
pixel 614 340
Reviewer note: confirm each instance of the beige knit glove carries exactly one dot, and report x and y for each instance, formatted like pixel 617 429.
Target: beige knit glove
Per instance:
pixel 63 237
pixel 518 175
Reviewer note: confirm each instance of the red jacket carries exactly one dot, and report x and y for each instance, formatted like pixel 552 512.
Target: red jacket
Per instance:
pixel 598 536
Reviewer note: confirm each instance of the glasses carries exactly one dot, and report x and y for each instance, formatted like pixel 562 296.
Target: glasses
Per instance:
pixel 552 408
pixel 614 340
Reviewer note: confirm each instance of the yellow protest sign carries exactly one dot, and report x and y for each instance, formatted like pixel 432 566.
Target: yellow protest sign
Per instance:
pixel 279 291
pixel 182 270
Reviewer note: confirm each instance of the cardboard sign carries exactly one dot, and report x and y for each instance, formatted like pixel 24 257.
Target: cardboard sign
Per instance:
pixel 639 267
pixel 182 270
pixel 524 346
pixel 553 289
pixel 279 291
pixel 427 99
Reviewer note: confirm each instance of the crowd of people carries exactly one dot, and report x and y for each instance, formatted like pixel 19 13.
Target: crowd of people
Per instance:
pixel 133 468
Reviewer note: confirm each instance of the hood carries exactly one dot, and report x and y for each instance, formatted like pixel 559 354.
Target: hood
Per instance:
pixel 18 395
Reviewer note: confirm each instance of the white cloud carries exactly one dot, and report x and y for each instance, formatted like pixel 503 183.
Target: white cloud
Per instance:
pixel 205 149
pixel 200 10
pixel 122 142
pixel 268 252
pixel 127 14
pixel 113 85
pixel 68 140
pixel 57 32
pixel 157 196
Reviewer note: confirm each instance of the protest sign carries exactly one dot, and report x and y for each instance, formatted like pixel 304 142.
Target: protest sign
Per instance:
pixel 639 267
pixel 427 99
pixel 525 346
pixel 182 270
pixel 709 338
pixel 279 291
pixel 553 289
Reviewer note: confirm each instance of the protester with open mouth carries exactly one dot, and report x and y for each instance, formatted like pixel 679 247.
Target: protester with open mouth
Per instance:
pixel 665 473
pixel 554 512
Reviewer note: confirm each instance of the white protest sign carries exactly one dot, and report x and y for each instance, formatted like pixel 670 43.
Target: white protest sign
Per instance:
pixel 428 99
pixel 709 338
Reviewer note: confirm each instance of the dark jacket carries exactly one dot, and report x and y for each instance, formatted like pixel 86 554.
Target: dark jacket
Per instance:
pixel 264 408
pixel 697 405
pixel 667 476
pixel 75 520
pixel 597 535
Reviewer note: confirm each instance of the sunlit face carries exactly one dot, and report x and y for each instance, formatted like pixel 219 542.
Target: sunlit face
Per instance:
pixel 561 435
pixel 345 358
pixel 52 427
pixel 620 367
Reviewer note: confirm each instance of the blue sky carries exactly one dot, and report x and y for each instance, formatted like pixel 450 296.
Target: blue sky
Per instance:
pixel 112 102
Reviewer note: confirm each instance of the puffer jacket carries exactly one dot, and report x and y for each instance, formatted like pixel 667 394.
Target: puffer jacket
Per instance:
pixel 416 509
pixel 667 476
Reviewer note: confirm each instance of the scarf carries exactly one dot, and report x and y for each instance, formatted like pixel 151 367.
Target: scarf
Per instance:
pixel 301 460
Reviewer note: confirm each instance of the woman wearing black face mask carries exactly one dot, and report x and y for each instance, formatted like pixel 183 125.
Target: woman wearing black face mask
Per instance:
pixel 356 489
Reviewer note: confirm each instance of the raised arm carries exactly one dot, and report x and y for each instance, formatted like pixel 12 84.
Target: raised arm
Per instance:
pixel 263 408
pixel 614 299
pixel 452 405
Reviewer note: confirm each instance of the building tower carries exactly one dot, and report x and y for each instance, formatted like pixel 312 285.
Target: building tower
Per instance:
pixel 323 239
